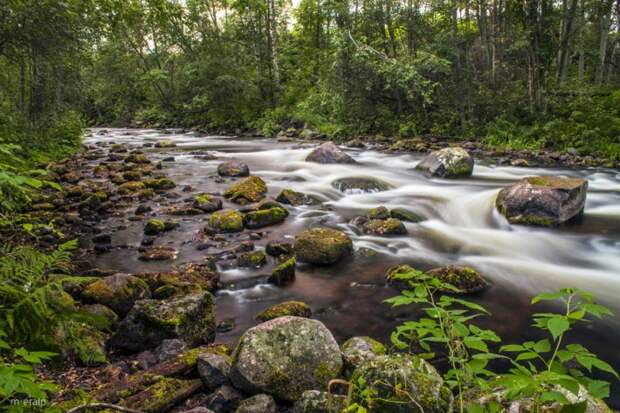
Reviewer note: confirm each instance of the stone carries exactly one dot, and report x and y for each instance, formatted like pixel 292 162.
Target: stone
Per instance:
pixel 109 317
pixel 405 215
pixel 158 254
pixel 466 279
pixel 226 221
pixel 182 210
pixel 401 384
pixel 119 292
pixel 233 168
pixel 314 401
pixel 447 163
pixel 83 343
pixel 169 349
pixel 207 203
pixel 264 217
pixel 163 395
pixel 286 356
pixel 379 212
pixel 322 246
pixel 360 185
pixel 161 184
pixel 165 144
pixel 132 187
pixel 329 153
pixel 251 189
pixel 292 308
pixel 136 157
pixel 294 198
pixel 189 318
pixel 277 248
pixel 390 226
pixel 224 399
pixel 284 273
pixel 543 200
pixel 260 403
pixel 252 259
pixel 157 226
pixel 214 369
pixel 357 350
pixel 184 279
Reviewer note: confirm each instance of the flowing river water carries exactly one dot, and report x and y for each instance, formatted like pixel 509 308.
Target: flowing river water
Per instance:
pixel 461 227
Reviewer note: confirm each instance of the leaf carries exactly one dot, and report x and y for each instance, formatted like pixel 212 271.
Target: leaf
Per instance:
pixel 512 348
pixel 546 296
pixel 476 344
pixel 575 408
pixel 558 326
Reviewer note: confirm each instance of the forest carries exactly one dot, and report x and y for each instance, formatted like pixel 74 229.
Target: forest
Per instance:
pixel 309 206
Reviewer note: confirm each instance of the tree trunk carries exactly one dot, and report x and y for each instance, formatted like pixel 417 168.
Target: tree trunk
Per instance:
pixel 604 36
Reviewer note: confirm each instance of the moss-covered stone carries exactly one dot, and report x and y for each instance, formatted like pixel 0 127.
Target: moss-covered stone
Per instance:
pixel 278 248
pixel 379 212
pixel 84 343
pixel 186 278
pixel 154 226
pixel 252 259
pixel 251 189
pixel 264 217
pixel 160 184
pixel 260 403
pixel 233 168
pixel 226 221
pixel 406 215
pixel 159 253
pixel 132 175
pixel 131 187
pixel 139 158
pixel 119 292
pixel 315 401
pixel 291 197
pixel 294 308
pixel 163 395
pixel 401 384
pixel 466 279
pixel 182 210
pixel 118 147
pixel 284 273
pixel 390 226
pixel 452 162
pixel 165 144
pixel 207 203
pixel 322 246
pixel 357 350
pixel 102 312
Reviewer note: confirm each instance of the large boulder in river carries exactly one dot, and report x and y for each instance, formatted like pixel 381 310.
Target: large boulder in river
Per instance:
pixel 360 184
pixel 543 200
pixel 329 153
pixel 150 322
pixel 322 246
pixel 118 292
pixel 251 189
pixel 226 220
pixel 402 384
pixel 286 356
pixel 447 163
pixel 233 168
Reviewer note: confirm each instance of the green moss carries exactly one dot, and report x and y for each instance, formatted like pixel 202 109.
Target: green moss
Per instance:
pixel 380 212
pixel 154 226
pixel 131 187
pixel 390 226
pixel 264 217
pixel 254 259
pixel 226 221
pixel 251 189
pixel 322 246
pixel 137 158
pixel 283 273
pixel 555 182
pixel 288 308
pixel 133 175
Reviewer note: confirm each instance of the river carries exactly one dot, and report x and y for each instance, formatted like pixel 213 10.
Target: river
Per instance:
pixel 461 227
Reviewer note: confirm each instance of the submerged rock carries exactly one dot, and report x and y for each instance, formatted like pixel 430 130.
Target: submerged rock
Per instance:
pixel 264 217
pixel 158 254
pixel 322 246
pixel 329 153
pixel 226 221
pixel 543 200
pixel 118 292
pixel 286 356
pixel 251 189
pixel 402 384
pixel 447 163
pixel 360 184
pixel 190 318
pixel 233 168
pixel 293 308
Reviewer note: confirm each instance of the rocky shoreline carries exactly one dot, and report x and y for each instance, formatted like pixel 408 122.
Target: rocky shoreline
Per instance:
pixel 156 352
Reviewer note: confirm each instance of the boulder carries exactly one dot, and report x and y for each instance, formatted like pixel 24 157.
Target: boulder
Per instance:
pixel 118 292
pixel 226 221
pixel 207 203
pixel 322 246
pixel 261 403
pixel 466 279
pixel 405 215
pixel 447 163
pixel 251 189
pixel 150 322
pixel 294 198
pixel 109 318
pixel 279 247
pixel 160 184
pixel 233 168
pixel 157 226
pixel 292 308
pixel 401 384
pixel 390 226
pixel 264 217
pixel 360 185
pixel 329 153
pixel 284 273
pixel 224 399
pixel 214 369
pixel 543 200
pixel 357 350
pixel 379 212
pixel 286 356
pixel 314 401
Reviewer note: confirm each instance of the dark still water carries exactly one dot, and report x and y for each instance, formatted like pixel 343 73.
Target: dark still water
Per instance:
pixel 462 227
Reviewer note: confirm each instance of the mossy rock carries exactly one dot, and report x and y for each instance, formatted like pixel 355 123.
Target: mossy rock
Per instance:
pixel 277 248
pixel 182 210
pixel 118 291
pixel 293 308
pixel 315 401
pixel 163 395
pixel 84 343
pixel 138 158
pixel 401 384
pixel 390 226
pixel 233 168
pixel 379 212
pixel 284 273
pixel 133 175
pixel 226 221
pixel 452 162
pixel 294 198
pixel 252 259
pixel 285 357
pixel 322 246
pixel 357 350
pixel 406 215
pixel 105 313
pixel 159 253
pixel 160 184
pixel 251 189
pixel 260 403
pixel 360 185
pixel 264 217
pixel 157 226
pixel 131 187
pixel 165 144
pixel 119 147
pixel 207 203
pixel 466 279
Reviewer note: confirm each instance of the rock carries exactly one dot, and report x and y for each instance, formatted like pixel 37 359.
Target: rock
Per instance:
pixel 279 247
pixel 401 384
pixel 150 322
pixel 252 259
pixel 214 369
pixel 224 399
pixel 226 221
pixel 466 279
pixel 360 185
pixel 198 409
pixel 165 144
pixel 182 210
pixel 233 168
pixel 261 403
pixel 109 317
pixel 357 350
pixel 322 246
pixel 329 153
pixel 160 184
pixel 185 279
pixel 163 395
pixel 286 356
pixel 104 238
pixel 447 163
pixel 83 343
pixel 393 273
pixel 251 189
pixel 207 203
pixel 157 226
pixel 158 254
pixel 284 273
pixel 390 226
pixel 314 401
pixel 380 212
pixel 264 217
pixel 136 157
pixel 118 292
pixel 143 209
pixel 543 200
pixel 292 308
pixel 405 215
pixel 131 187
pixel 290 197
pixel 169 349
pixel 520 162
